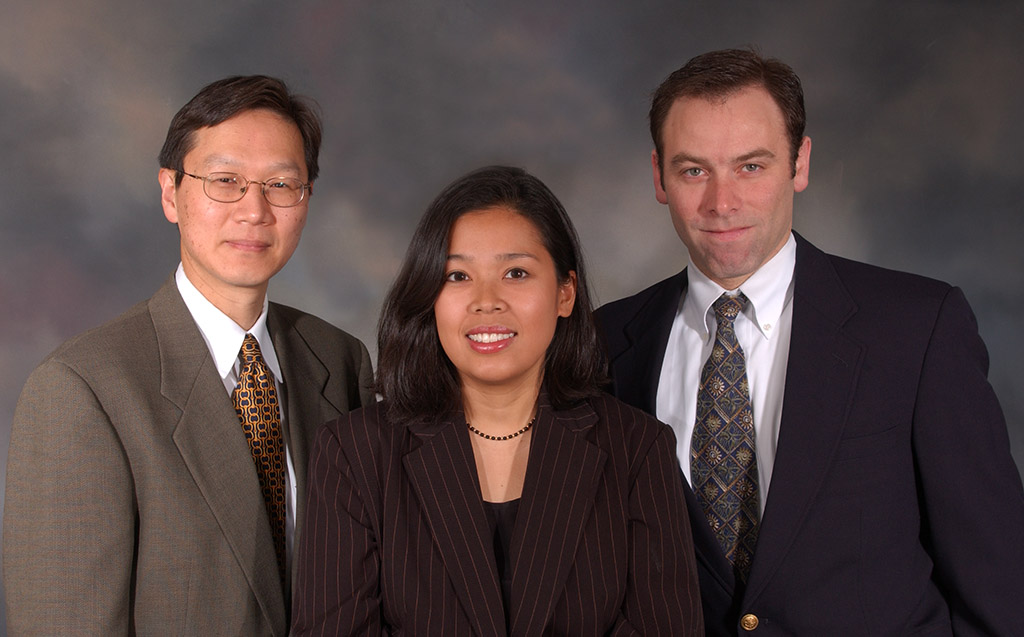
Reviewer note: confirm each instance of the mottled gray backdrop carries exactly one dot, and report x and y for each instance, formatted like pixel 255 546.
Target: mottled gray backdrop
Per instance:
pixel 915 109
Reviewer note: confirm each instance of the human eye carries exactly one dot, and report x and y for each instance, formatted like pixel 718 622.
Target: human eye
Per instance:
pixel 283 183
pixel 516 273
pixel 693 171
pixel 223 179
pixel 751 168
pixel 456 276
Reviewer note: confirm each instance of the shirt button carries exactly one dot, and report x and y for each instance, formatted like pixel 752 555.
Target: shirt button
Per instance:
pixel 748 621
pixel 767 327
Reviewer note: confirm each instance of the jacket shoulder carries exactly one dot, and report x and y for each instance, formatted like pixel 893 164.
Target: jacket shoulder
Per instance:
pixel 318 333
pixel 885 280
pixel 631 428
pixel 621 310
pixel 869 285
pixel 126 337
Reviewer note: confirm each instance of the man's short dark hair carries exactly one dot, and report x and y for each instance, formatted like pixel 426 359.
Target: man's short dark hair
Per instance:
pixel 223 99
pixel 414 375
pixel 718 74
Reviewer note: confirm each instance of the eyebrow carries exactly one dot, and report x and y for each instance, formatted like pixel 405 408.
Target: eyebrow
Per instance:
pixel 231 161
pixel 508 256
pixel 757 153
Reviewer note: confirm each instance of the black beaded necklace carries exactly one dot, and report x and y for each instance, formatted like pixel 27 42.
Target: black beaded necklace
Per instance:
pixel 508 437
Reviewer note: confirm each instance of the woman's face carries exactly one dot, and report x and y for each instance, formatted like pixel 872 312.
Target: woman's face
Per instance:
pixel 501 299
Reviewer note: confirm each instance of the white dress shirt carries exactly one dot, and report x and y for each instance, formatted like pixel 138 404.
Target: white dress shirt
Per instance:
pixel 224 340
pixel 763 330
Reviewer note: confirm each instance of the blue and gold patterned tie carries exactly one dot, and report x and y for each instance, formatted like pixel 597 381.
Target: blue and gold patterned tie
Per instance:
pixel 723 457
pixel 255 401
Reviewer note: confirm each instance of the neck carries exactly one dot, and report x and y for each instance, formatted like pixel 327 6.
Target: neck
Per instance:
pixel 499 411
pixel 243 305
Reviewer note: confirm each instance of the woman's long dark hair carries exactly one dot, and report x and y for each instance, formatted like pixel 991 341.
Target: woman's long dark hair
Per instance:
pixel 414 375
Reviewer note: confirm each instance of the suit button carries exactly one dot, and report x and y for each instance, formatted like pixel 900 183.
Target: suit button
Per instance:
pixel 748 621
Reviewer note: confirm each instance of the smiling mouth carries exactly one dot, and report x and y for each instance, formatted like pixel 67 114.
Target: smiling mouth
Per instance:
pixel 490 337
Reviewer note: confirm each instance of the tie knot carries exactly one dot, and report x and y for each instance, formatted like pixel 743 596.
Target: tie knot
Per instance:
pixel 728 307
pixel 250 351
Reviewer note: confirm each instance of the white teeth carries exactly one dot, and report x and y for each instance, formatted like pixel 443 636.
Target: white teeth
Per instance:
pixel 490 338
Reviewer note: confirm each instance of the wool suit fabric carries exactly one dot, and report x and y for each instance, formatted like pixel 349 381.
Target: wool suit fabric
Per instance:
pixel 132 502
pixel 397 541
pixel 895 507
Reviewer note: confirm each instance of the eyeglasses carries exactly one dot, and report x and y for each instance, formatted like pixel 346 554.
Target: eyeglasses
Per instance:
pixel 283 192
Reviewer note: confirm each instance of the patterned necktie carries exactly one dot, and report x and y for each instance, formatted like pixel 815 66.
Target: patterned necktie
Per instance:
pixel 255 401
pixel 723 458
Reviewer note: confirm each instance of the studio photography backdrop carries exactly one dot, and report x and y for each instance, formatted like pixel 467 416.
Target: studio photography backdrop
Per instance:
pixel 915 110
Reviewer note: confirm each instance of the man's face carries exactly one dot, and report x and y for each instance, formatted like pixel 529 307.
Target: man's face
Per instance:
pixel 233 249
pixel 727 178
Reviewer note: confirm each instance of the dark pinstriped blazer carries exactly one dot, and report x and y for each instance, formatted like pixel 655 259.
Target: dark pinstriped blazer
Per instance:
pixel 396 539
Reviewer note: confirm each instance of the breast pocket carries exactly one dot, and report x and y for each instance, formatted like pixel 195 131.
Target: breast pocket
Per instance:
pixel 865 464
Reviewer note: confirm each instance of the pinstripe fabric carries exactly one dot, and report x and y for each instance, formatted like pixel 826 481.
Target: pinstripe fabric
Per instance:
pixel 396 538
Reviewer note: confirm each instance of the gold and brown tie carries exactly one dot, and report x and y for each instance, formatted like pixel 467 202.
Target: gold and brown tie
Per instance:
pixel 255 401
pixel 723 456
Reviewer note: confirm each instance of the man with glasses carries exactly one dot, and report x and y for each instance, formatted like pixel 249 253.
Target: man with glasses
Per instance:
pixel 157 465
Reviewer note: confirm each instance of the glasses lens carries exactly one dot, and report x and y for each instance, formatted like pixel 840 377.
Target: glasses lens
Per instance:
pixel 224 187
pixel 284 191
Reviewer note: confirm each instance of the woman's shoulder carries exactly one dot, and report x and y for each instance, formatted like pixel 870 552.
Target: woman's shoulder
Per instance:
pixel 631 425
pixel 366 425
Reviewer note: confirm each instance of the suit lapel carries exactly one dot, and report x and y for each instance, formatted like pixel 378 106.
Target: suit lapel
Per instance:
pixel 637 368
pixel 442 471
pixel 562 478
pixel 214 449
pixel 822 372
pixel 709 553
pixel 306 380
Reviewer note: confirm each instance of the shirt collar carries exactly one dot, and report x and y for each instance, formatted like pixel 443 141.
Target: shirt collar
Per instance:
pixel 222 335
pixel 768 289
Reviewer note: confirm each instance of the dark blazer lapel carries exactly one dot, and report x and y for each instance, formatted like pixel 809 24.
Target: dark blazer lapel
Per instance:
pixel 562 478
pixel 709 553
pixel 213 448
pixel 442 471
pixel 306 402
pixel 822 372
pixel 637 365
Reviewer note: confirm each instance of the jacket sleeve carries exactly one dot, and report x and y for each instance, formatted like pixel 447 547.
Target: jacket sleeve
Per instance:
pixel 662 593
pixel 69 516
pixel 338 589
pixel 972 505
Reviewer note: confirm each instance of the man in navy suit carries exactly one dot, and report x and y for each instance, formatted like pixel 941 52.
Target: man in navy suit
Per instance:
pixel 887 502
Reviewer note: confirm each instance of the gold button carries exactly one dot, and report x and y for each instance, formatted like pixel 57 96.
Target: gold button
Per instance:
pixel 748 621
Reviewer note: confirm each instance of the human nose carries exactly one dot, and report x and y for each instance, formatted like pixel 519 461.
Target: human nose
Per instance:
pixel 253 207
pixel 486 299
pixel 720 196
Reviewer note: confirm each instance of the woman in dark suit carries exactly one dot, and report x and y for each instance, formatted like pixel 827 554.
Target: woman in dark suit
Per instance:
pixel 495 490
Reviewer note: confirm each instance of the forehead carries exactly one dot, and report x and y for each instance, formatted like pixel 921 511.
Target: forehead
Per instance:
pixel 499 229
pixel 746 116
pixel 254 137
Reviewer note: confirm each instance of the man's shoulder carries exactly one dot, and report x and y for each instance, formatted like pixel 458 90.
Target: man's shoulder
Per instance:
pixel 865 282
pixel 108 341
pixel 625 308
pixel 885 285
pixel 318 334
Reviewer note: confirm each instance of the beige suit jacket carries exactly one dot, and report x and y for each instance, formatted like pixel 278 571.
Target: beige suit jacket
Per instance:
pixel 132 502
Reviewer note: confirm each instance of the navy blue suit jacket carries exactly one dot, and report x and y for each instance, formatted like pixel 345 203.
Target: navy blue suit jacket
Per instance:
pixel 895 507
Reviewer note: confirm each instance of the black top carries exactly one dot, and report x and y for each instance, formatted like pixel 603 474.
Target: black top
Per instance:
pixel 501 516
